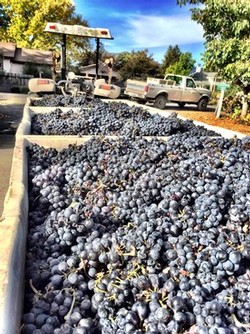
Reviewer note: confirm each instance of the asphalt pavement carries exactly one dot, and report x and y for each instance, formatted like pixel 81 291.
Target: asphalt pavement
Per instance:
pixel 11 112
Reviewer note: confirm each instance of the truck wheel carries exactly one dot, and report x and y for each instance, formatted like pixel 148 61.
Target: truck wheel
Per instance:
pixel 202 104
pixel 160 102
pixel 181 104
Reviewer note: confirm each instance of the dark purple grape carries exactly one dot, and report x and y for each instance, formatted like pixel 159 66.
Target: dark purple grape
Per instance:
pixel 157 240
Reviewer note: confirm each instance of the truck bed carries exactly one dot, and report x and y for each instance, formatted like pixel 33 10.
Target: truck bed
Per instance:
pixel 136 88
pixel 139 89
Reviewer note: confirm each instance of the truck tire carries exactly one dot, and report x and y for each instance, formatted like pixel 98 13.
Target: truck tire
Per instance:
pixel 160 102
pixel 181 104
pixel 202 104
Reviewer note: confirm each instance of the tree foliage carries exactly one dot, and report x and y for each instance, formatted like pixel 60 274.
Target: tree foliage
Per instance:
pixel 136 64
pixel 226 24
pixel 183 66
pixel 25 20
pixel 88 56
pixel 4 19
pixel 171 56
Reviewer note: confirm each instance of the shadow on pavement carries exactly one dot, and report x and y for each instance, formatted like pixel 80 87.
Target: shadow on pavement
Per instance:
pixel 191 107
pixel 10 117
pixel 7 141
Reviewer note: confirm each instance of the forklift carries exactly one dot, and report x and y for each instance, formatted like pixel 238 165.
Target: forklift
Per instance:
pixel 72 84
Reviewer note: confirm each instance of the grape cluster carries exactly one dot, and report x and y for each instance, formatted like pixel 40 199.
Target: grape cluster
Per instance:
pixel 112 118
pixel 60 101
pixel 139 236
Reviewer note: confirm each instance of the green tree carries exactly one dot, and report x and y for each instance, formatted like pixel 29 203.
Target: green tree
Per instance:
pixel 183 66
pixel 171 56
pixel 25 21
pixel 136 64
pixel 226 24
pixel 4 19
pixel 88 57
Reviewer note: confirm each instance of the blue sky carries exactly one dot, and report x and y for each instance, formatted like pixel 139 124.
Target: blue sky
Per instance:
pixel 141 24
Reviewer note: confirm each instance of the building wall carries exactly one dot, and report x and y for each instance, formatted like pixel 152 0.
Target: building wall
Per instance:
pixel 16 68
pixel 90 72
pixel 7 65
pixel 12 76
pixel 13 68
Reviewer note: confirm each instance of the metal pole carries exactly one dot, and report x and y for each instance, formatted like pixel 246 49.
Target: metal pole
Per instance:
pixel 63 67
pixel 219 106
pixel 110 67
pixel 97 57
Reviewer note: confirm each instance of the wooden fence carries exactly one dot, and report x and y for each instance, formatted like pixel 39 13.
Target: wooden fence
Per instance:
pixel 10 82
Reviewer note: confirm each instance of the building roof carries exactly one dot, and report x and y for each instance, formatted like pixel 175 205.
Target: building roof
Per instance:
pixel 204 76
pixel 23 55
pixel 103 69
pixel 7 49
pixel 199 75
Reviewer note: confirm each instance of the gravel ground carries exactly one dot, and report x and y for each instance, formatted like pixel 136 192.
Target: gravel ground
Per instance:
pixel 208 117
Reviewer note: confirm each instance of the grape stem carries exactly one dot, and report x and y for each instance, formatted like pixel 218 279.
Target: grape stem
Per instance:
pixel 68 315
pixel 37 293
pixel 131 253
pixel 238 323
pixel 192 330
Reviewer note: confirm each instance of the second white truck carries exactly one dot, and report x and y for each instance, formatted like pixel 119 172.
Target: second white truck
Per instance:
pixel 173 88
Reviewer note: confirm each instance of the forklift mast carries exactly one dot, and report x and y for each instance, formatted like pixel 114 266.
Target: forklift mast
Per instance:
pixel 77 30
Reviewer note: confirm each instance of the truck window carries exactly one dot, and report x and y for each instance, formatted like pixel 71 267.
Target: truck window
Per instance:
pixel 178 81
pixel 190 83
pixel 170 77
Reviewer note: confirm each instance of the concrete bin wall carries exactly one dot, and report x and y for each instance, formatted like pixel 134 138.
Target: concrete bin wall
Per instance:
pixel 13 232
pixel 12 251
pixel 13 229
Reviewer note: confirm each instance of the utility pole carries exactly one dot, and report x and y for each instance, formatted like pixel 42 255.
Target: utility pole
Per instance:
pixel 63 63
pixel 97 57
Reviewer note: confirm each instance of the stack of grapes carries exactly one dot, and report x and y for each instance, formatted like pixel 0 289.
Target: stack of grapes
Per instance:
pixel 135 236
pixel 111 118
pixel 59 101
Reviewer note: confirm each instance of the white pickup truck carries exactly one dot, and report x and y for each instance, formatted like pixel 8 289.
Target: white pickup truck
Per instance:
pixel 173 88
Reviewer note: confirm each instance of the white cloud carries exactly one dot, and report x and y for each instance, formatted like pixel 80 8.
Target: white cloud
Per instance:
pixel 156 31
